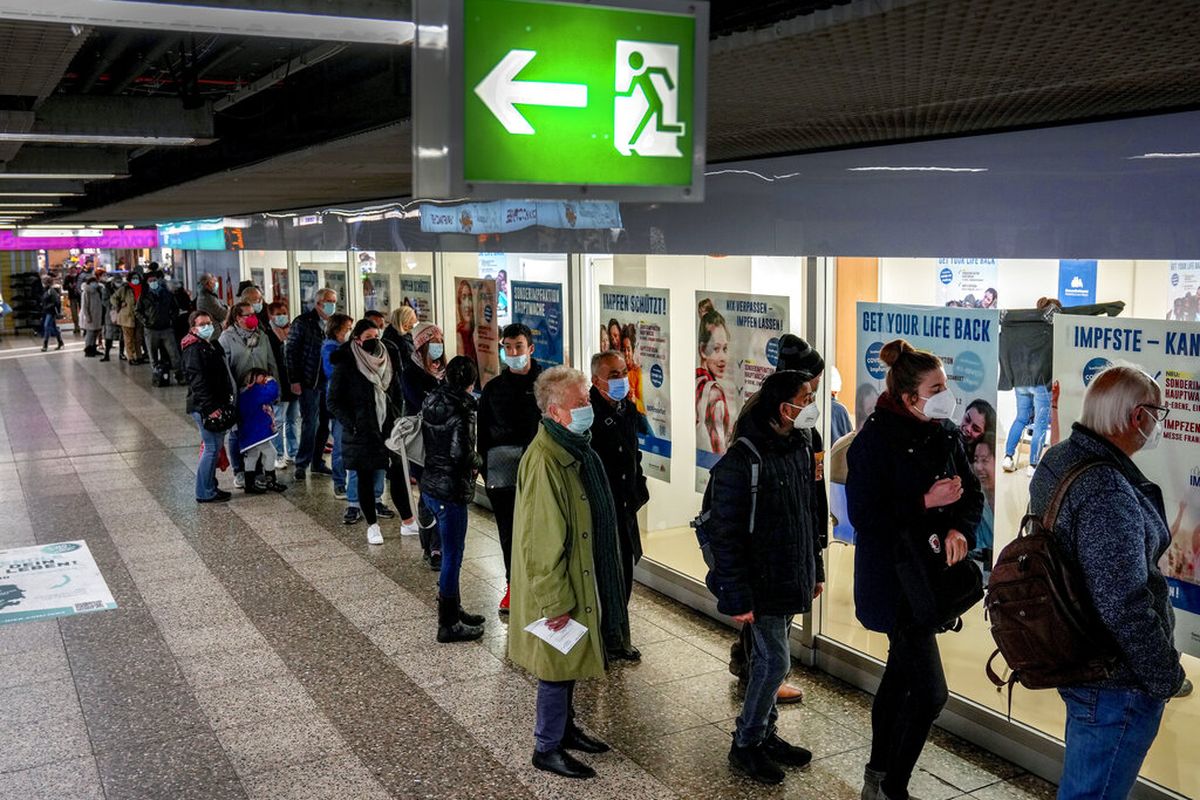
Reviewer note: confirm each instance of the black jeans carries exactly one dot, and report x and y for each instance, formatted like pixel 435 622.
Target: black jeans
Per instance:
pixel 910 697
pixel 399 489
pixel 504 504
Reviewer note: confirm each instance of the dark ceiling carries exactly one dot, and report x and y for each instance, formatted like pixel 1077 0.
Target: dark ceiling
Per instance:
pixel 785 77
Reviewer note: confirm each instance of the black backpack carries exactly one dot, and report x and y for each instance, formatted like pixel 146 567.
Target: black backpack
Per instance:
pixel 1043 619
pixel 698 524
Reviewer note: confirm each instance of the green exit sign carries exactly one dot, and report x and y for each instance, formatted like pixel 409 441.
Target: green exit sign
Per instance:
pixel 529 98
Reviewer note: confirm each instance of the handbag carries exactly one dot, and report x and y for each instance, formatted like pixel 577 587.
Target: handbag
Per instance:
pixel 222 420
pixel 502 465
pixel 938 595
pixel 406 439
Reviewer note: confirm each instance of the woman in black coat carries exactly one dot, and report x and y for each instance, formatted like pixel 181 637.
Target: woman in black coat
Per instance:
pixel 908 477
pixel 448 486
pixel 365 397
pixel 210 388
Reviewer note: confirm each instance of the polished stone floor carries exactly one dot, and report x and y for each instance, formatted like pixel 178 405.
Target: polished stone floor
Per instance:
pixel 263 650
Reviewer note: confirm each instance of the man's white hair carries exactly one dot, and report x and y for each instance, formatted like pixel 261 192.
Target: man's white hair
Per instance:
pixel 1112 396
pixel 553 384
pixel 600 358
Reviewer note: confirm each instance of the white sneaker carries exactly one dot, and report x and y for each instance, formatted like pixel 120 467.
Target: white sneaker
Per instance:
pixel 280 462
pixel 1030 470
pixel 374 534
pixel 410 528
pixel 239 480
pixel 1008 464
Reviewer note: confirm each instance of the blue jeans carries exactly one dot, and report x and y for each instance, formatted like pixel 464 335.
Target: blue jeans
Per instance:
pixel 770 664
pixel 50 328
pixel 312 414
pixel 1109 732
pixel 338 466
pixel 1033 406
pixel 287 422
pixel 235 452
pixel 206 475
pixel 352 486
pixel 452 527
pixel 555 712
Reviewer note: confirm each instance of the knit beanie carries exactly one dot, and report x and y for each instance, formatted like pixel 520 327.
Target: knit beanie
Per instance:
pixel 424 333
pixel 797 354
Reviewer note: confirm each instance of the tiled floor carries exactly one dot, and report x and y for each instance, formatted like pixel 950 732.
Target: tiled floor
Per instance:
pixel 263 650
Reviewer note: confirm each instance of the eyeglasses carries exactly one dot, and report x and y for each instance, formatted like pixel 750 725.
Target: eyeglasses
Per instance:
pixel 1158 412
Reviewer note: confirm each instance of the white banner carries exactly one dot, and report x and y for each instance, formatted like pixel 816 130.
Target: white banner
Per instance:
pixel 54 580
pixel 1170 353
pixel 1184 294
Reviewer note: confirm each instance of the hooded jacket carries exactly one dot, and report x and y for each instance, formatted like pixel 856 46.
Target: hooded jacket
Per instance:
pixel 774 570
pixel 351 401
pixel 210 386
pixel 255 426
pixel 893 461
pixel 448 429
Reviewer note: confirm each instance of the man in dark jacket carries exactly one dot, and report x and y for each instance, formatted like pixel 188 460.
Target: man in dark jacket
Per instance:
pixel 209 301
pixel 157 310
pixel 1113 526
pixel 767 558
pixel 308 382
pixel 615 439
pixel 508 421
pixel 210 388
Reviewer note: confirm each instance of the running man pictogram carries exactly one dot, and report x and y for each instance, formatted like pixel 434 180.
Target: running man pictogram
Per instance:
pixel 646 118
pixel 654 105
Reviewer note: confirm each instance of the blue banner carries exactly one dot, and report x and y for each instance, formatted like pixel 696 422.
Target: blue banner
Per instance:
pixel 1077 282
pixel 539 306
pixel 506 216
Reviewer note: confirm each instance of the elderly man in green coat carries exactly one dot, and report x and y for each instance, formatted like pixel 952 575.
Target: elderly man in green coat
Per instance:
pixel 565 565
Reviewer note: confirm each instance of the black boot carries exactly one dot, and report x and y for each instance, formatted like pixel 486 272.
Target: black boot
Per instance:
pixel 89 352
pixel 469 619
pixel 107 350
pixel 754 763
pixel 560 762
pixel 271 484
pixel 576 739
pixel 450 628
pixel 253 482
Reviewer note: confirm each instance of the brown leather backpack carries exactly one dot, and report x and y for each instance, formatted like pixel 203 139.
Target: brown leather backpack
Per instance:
pixel 1043 619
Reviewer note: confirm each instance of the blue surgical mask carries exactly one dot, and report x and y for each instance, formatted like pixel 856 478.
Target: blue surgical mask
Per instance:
pixel 436 350
pixel 517 362
pixel 205 331
pixel 618 388
pixel 581 419
pixel 136 281
pixel 257 307
pixel 154 285
pixel 280 320
pixel 329 308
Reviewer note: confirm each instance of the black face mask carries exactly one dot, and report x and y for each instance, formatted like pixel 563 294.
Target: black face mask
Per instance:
pixel 372 346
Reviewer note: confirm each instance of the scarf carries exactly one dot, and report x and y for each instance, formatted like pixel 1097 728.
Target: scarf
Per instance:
pixel 377 369
pixel 606 548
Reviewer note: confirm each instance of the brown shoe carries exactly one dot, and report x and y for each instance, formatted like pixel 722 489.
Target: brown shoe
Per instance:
pixel 789 694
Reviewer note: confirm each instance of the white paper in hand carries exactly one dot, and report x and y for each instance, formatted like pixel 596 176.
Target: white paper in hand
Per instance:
pixel 561 640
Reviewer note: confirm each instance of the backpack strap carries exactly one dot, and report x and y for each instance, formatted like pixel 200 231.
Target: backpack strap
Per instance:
pixel 755 470
pixel 1060 494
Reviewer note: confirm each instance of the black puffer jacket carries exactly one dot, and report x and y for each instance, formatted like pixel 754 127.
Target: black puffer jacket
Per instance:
pixel 418 385
pixel 774 570
pixel 304 349
pixel 210 385
pixel 448 428
pixel 893 461
pixel 508 412
pixel 351 401
pixel 157 309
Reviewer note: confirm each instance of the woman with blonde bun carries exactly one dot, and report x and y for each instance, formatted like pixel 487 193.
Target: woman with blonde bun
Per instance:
pixel 908 477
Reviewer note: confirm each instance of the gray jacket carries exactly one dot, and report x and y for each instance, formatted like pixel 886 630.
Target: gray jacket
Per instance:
pixel 245 351
pixel 210 304
pixel 1113 525
pixel 91 307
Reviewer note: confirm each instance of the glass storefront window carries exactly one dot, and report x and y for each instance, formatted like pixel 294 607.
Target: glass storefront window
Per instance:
pixel 322 269
pixel 390 280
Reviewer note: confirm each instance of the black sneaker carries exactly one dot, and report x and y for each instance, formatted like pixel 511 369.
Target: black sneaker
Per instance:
pixel 789 755
pixel 351 516
pixel 433 561
pixel 384 512
pixel 753 762
pixel 221 496
pixel 319 468
pixel 299 474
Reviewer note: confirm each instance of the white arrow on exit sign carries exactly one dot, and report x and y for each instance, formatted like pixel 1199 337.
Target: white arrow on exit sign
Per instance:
pixel 502 93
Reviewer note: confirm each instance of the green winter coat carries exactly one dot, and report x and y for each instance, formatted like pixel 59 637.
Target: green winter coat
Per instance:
pixel 552 568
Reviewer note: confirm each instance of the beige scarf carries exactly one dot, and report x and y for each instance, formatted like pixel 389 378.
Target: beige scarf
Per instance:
pixel 377 370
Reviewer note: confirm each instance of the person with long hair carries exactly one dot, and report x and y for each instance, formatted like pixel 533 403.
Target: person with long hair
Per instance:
pixel 715 414
pixel 910 489
pixel 464 310
pixel 629 341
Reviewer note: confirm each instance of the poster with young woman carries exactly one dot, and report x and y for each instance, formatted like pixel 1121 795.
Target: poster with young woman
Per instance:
pixel 637 323
pixel 1170 353
pixel 476 330
pixel 968 343
pixel 737 347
